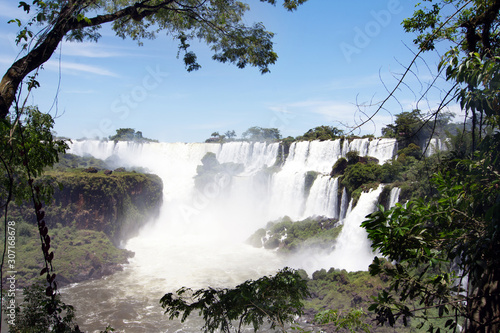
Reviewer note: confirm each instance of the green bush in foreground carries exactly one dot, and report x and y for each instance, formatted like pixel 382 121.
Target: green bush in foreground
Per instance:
pixel 33 314
pixel 276 300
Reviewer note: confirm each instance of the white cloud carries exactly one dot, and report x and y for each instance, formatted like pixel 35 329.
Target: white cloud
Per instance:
pixel 343 115
pixel 89 50
pixel 331 111
pixel 76 69
pixel 70 68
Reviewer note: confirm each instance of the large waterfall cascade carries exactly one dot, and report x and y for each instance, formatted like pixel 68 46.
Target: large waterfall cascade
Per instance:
pixel 198 239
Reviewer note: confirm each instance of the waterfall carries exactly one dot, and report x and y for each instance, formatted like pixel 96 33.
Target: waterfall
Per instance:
pixel 323 198
pixel 254 156
pixel 275 194
pixel 353 249
pixel 198 239
pixel 394 196
pixel 435 145
pixel 381 149
pixel 343 205
pixel 288 184
pixel 321 154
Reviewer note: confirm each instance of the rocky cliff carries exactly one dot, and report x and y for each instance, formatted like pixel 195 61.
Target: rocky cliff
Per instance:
pixel 116 203
pixel 90 214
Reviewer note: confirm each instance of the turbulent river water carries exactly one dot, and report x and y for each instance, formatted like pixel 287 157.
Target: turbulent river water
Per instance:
pixel 199 238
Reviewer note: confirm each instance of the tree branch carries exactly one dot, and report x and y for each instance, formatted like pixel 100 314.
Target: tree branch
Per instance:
pixel 47 45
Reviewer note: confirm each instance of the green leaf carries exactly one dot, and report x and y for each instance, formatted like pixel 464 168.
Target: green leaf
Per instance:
pixel 15 21
pixel 25 6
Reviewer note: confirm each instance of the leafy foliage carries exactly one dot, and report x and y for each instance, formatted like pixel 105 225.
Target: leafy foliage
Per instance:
pixel 71 161
pixel 32 316
pixel 82 254
pixel 27 148
pixel 30 132
pixel 321 133
pixel 358 174
pixel 262 134
pixel 435 244
pixel 339 299
pixel 289 236
pixel 273 299
pixel 88 211
pixel 352 321
pixel 129 134
pixel 469 24
pixel 445 249
pixel 408 128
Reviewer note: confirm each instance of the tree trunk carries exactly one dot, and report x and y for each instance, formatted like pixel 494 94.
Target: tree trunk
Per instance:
pixel 18 71
pixel 484 307
pixel 21 68
pixel 47 45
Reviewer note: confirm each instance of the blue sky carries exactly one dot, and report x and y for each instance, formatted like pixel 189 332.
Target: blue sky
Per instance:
pixel 333 57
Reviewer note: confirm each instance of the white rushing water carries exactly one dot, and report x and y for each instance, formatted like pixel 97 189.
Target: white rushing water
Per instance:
pixel 198 239
pixel 435 145
pixel 352 251
pixel 394 196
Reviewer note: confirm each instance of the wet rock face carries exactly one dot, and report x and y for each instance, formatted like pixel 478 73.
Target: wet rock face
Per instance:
pixel 117 204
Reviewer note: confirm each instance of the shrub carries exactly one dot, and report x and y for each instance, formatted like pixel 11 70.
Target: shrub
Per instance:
pixel 352 157
pixel 358 174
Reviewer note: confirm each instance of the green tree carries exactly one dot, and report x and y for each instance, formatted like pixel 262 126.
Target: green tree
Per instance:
pixel 123 134
pixel 129 134
pixel 409 127
pixel 444 250
pixel 276 300
pixel 215 137
pixel 230 134
pixel 322 133
pixel 27 147
pixel 472 64
pixel 256 133
pixel 218 23
pixel 353 321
